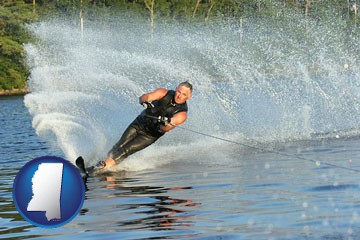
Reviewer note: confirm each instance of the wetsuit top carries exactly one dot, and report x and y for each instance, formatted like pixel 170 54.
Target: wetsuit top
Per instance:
pixel 165 107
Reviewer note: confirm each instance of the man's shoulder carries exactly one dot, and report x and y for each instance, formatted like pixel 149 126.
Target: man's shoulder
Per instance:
pixel 161 90
pixel 160 93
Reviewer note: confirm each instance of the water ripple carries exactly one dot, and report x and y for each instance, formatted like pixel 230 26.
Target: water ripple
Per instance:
pixel 339 187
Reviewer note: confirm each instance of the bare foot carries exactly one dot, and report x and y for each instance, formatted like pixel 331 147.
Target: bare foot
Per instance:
pixel 109 163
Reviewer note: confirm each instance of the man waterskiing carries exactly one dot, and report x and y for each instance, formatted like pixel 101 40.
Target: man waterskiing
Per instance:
pixel 165 109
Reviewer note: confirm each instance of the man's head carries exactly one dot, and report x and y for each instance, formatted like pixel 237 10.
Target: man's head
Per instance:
pixel 183 92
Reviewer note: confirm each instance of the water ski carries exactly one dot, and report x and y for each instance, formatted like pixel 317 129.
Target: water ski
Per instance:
pixel 80 163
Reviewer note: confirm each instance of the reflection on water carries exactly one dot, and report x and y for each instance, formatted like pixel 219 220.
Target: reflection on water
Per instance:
pixel 157 211
pixel 259 196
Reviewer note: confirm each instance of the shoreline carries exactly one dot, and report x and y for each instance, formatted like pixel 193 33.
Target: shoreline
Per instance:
pixel 14 92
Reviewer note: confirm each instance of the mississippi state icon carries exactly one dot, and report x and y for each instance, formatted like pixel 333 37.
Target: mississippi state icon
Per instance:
pixel 48 191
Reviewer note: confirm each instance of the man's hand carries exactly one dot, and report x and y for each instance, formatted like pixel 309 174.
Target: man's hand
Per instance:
pixel 148 105
pixel 164 120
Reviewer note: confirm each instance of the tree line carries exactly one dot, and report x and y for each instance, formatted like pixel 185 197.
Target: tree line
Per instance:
pixel 14 14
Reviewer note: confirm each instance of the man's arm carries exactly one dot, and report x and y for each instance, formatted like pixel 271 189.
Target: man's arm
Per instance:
pixel 152 96
pixel 176 120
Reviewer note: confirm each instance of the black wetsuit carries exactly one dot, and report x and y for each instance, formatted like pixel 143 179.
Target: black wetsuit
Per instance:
pixel 145 129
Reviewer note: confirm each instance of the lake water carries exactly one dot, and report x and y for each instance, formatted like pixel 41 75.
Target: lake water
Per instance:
pixel 237 194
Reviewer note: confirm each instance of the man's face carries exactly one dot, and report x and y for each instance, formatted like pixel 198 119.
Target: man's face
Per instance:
pixel 182 94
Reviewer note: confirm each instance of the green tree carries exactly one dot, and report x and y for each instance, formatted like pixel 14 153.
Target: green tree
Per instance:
pixel 13 16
